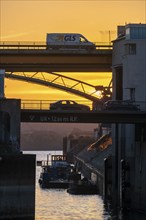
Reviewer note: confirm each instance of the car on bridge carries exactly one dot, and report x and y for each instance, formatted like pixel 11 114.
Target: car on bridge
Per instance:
pixel 120 105
pixel 68 105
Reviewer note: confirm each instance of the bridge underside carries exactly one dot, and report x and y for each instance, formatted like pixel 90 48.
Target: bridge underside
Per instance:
pixel 56 67
pixel 45 62
pixel 44 116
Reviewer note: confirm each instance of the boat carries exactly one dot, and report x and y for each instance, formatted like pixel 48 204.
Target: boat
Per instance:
pixel 82 187
pixel 55 174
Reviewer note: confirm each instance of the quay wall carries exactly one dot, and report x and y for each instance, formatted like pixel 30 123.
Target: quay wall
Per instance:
pixel 11 112
pixel 99 166
pixel 17 171
pixel 92 163
pixel 17 187
pixel 4 127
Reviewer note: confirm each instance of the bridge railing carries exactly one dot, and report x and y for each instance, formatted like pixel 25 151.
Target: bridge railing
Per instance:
pixel 45 104
pixel 36 104
pixel 6 45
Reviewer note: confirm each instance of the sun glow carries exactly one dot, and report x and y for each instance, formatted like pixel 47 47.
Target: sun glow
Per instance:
pixel 96 20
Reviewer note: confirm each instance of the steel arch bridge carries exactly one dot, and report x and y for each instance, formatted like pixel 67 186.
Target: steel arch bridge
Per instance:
pixel 61 82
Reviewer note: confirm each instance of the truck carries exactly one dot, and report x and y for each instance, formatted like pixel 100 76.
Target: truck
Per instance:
pixel 68 41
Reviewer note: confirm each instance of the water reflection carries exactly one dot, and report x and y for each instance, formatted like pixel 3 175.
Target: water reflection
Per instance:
pixel 54 204
pixel 124 214
pixel 57 204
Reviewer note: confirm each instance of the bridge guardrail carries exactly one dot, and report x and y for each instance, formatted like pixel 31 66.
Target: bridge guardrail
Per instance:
pixel 11 45
pixel 45 104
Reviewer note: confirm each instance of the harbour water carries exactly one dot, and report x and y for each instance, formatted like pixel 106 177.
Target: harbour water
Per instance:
pixel 57 204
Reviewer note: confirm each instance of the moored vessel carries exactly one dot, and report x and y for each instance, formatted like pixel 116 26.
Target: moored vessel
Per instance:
pixel 55 173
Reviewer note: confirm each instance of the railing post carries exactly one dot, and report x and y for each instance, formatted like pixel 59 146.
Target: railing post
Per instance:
pixel 40 104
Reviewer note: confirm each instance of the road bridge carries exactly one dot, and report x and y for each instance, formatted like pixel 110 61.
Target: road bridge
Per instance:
pixel 47 116
pixel 36 58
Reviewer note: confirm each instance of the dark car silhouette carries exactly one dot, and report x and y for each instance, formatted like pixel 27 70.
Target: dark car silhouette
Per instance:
pixel 68 105
pixel 120 105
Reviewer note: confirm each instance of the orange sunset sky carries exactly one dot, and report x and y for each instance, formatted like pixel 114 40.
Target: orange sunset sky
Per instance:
pixel 30 20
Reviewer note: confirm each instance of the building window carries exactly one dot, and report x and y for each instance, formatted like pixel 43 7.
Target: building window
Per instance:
pixel 130 49
pixel 140 132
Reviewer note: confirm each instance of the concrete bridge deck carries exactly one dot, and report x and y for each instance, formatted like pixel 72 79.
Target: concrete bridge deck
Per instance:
pixel 34 58
pixel 46 116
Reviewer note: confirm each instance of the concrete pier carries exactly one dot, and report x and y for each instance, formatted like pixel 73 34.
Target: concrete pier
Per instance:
pixel 17 171
pixel 91 164
pixel 118 171
pixel 17 187
pixel 10 121
pixel 2 77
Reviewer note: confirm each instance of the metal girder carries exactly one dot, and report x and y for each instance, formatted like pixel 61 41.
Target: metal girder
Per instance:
pixel 60 82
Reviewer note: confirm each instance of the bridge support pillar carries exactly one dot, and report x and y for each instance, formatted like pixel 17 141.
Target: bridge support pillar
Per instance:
pixel 2 76
pixel 10 123
pixel 17 171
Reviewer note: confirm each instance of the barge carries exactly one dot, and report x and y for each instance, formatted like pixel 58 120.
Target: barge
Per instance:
pixel 55 174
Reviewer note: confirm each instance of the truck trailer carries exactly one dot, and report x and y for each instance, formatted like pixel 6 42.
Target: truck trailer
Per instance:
pixel 68 41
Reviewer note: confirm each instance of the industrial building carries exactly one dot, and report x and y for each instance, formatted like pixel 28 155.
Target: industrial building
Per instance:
pixel 129 140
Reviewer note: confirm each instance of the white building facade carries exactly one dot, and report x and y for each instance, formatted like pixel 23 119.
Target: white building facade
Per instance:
pixel 129 140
